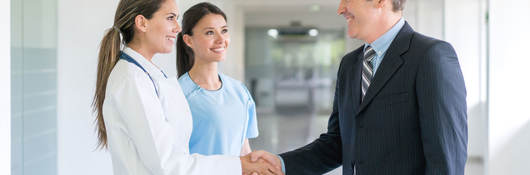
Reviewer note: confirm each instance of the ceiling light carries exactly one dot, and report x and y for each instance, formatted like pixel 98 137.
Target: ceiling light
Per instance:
pixel 273 33
pixel 314 8
pixel 313 32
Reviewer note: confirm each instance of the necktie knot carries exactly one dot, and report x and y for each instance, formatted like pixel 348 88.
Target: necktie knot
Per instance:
pixel 369 54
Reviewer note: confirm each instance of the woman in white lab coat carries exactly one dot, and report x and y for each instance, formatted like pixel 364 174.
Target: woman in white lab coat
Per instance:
pixel 142 115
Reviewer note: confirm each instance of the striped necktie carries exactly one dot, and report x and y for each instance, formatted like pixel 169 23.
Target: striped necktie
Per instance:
pixel 367 72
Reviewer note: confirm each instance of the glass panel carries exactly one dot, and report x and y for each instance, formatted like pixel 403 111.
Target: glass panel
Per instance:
pixel 34 87
pixel 293 71
pixel 16 88
pixel 292 79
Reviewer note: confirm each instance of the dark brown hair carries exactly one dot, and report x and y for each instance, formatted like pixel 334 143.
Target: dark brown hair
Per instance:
pixel 185 56
pixel 109 52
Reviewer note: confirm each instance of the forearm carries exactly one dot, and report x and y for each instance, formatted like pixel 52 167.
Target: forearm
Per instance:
pixel 318 157
pixel 245 149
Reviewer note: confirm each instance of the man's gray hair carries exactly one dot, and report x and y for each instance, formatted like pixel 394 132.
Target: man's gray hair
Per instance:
pixel 398 5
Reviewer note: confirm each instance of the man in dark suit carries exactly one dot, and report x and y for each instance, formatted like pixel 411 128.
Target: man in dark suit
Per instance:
pixel 399 107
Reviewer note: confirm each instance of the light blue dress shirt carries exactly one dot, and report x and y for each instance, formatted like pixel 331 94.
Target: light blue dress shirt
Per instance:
pixel 380 46
pixel 222 119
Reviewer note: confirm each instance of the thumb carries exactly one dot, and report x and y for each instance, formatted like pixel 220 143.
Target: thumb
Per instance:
pixel 254 156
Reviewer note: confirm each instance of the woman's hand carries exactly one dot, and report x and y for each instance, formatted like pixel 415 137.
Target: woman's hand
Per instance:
pixel 259 167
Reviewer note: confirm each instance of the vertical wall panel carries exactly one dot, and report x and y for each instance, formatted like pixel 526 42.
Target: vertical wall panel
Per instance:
pixel 34 87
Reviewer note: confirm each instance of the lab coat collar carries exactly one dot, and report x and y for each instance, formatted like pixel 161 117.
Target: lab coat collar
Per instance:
pixel 151 68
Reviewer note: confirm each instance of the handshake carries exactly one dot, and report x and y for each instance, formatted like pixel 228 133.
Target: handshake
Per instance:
pixel 261 163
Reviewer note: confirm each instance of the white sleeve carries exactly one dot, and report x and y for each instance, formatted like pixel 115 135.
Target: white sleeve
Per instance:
pixel 159 145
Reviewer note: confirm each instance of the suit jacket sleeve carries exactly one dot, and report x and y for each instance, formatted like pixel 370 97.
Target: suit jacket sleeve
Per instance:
pixel 322 155
pixel 441 97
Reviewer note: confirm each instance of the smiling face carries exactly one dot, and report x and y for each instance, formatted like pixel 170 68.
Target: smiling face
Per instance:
pixel 361 17
pixel 209 39
pixel 161 30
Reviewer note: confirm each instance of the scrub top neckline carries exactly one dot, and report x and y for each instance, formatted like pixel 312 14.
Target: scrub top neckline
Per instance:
pixel 206 90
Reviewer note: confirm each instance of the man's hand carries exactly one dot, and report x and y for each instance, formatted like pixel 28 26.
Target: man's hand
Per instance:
pixel 270 158
pixel 258 167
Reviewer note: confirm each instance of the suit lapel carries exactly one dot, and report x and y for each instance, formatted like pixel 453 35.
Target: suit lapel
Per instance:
pixel 392 61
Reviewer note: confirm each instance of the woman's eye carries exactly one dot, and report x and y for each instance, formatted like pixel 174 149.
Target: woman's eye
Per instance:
pixel 225 30
pixel 170 18
pixel 209 33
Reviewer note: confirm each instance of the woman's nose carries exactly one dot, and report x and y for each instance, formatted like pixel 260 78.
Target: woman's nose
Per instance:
pixel 219 38
pixel 177 29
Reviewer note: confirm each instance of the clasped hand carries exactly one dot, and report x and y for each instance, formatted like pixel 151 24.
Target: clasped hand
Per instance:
pixel 261 163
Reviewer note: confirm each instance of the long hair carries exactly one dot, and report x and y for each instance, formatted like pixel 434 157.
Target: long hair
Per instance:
pixel 109 52
pixel 185 55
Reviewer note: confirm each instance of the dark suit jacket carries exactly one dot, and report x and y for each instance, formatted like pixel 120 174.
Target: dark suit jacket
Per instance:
pixel 412 121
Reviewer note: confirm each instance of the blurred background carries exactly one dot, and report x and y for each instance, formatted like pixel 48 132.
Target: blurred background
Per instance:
pixel 286 52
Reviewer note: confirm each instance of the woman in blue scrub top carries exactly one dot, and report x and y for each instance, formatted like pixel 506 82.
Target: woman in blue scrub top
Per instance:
pixel 223 112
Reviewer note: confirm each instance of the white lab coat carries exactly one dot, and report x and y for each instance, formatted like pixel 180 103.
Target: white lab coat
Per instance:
pixel 149 133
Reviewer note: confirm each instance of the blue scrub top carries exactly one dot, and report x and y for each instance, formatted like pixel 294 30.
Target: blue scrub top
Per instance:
pixel 222 119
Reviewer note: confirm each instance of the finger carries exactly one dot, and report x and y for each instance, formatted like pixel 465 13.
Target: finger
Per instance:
pixel 270 171
pixel 267 172
pixel 276 171
pixel 272 160
pixel 255 155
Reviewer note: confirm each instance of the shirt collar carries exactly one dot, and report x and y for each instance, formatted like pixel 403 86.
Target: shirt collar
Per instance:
pixel 383 43
pixel 151 68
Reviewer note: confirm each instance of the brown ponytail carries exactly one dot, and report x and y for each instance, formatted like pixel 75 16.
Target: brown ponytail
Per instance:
pixel 109 52
pixel 108 56
pixel 185 55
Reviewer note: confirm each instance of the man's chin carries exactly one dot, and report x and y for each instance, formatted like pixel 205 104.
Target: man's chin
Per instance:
pixel 352 36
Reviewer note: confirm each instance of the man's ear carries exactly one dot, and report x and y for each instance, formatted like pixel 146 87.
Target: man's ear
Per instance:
pixel 187 40
pixel 381 3
pixel 141 23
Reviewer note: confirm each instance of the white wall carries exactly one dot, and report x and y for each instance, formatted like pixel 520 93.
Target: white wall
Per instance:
pixel 81 26
pixel 509 117
pixel 234 65
pixel 5 87
pixel 464 29
pixel 461 23
pixel 426 16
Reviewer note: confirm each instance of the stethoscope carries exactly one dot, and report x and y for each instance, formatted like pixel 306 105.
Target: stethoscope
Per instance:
pixel 129 59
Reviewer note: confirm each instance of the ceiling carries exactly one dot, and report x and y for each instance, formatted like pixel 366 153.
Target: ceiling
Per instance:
pixel 272 13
